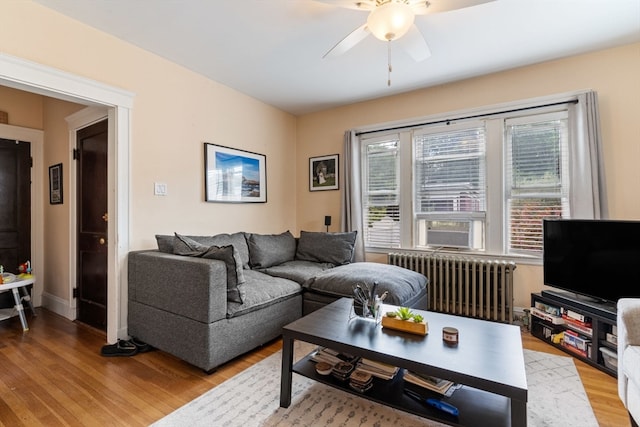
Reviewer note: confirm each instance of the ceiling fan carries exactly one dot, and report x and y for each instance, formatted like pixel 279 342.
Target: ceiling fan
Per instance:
pixel 390 20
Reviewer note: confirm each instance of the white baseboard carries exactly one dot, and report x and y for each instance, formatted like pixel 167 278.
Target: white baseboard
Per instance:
pixel 58 306
pixel 62 307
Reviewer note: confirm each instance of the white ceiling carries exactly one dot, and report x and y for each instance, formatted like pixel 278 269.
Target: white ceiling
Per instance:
pixel 272 49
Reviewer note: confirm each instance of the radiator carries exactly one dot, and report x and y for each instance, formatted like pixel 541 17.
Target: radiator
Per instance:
pixel 463 285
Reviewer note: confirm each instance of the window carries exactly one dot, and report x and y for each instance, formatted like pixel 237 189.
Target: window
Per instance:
pixel 449 185
pixel 481 184
pixel 537 173
pixel 382 192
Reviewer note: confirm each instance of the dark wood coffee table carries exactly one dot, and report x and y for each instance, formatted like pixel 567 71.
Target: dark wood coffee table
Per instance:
pixel 488 361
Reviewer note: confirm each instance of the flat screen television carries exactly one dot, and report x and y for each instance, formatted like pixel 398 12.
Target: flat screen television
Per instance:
pixel 595 259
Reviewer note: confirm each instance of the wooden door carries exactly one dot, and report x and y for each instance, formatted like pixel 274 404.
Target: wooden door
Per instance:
pixel 91 154
pixel 15 208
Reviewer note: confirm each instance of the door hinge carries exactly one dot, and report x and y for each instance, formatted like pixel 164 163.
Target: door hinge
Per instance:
pixel 76 154
pixel 30 162
pixel 75 292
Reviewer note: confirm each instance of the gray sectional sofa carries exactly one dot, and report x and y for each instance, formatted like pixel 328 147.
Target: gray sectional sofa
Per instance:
pixel 209 299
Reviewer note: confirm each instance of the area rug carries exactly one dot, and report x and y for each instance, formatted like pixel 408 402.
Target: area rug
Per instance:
pixel 252 399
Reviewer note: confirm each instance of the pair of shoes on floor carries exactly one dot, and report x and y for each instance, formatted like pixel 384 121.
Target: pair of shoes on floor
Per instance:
pixel 124 348
pixel 142 347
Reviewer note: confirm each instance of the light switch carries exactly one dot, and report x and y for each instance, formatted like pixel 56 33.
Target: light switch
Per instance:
pixel 160 189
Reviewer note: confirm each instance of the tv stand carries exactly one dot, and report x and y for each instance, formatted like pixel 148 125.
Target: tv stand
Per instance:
pixel 581 327
pixel 604 308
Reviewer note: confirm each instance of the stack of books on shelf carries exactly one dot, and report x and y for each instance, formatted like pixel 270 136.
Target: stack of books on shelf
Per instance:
pixel 550 313
pixel 548 308
pixel 332 357
pixel 342 370
pixel 377 369
pixel 438 385
pixel 578 322
pixel 576 343
pixel 360 381
pixel 579 330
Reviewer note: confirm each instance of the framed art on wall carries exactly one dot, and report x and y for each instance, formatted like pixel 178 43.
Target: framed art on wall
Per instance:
pixel 234 176
pixel 55 184
pixel 323 173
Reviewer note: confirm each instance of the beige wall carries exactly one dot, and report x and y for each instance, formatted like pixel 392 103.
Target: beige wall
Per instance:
pixel 176 110
pixel 56 217
pixel 612 73
pixel 24 109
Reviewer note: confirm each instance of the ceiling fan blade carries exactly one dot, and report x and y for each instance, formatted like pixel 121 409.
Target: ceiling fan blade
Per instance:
pixel 352 4
pixel 415 45
pixel 421 7
pixel 348 42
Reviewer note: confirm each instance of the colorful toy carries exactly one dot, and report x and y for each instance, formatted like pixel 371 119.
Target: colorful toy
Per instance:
pixel 6 277
pixel 25 270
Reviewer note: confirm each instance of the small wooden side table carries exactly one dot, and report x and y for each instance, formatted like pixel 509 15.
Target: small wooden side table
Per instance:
pixel 19 286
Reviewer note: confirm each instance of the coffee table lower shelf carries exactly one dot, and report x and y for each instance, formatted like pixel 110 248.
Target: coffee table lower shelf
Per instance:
pixel 476 407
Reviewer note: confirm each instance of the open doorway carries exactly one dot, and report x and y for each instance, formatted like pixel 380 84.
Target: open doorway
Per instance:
pixel 15 209
pixel 28 76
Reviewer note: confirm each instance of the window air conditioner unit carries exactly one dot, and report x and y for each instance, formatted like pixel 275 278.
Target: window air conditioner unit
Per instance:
pixel 452 234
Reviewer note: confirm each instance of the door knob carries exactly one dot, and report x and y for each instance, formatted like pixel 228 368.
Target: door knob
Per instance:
pixel 102 241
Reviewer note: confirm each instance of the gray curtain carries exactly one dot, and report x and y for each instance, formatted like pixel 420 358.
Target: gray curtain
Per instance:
pixel 351 201
pixel 587 162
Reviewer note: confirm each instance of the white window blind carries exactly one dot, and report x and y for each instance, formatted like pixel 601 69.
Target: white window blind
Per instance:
pixel 481 183
pixel 537 177
pixel 449 185
pixel 381 192
pixel 449 171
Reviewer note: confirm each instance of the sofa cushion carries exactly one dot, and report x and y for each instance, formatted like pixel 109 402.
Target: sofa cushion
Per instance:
pixel 298 271
pixel 186 246
pixel 262 290
pixel 166 242
pixel 631 366
pixel 401 283
pixel 335 248
pixel 266 250
pixel 238 241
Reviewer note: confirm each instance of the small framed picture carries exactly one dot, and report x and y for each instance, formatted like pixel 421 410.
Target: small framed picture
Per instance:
pixel 234 176
pixel 323 173
pixel 55 184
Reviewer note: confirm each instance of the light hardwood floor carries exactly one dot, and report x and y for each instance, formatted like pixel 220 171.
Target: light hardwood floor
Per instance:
pixel 53 375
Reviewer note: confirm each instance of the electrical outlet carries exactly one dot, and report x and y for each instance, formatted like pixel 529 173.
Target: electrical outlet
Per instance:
pixel 160 189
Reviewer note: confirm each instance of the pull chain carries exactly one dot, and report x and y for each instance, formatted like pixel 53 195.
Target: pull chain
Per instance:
pixel 389 63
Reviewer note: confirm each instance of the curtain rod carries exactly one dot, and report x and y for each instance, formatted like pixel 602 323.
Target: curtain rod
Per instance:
pixel 495 113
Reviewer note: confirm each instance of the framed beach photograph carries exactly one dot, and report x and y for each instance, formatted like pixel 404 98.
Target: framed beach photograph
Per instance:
pixel 55 184
pixel 234 176
pixel 323 173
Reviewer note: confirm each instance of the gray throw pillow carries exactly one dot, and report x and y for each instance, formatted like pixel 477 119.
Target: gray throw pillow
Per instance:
pixel 266 250
pixel 235 278
pixel 238 241
pixel 165 243
pixel 334 248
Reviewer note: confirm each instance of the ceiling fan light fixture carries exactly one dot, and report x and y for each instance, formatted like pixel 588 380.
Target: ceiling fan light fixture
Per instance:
pixel 391 20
